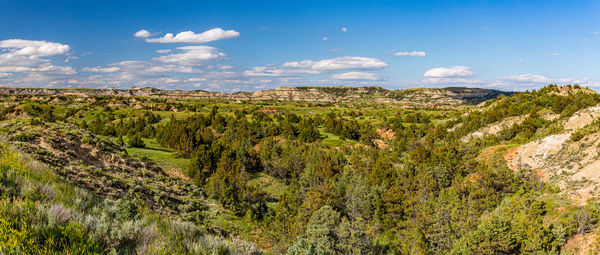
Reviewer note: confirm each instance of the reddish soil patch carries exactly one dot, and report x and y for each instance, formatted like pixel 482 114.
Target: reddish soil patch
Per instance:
pixel 386 134
pixel 381 144
pixel 509 156
pixel 269 111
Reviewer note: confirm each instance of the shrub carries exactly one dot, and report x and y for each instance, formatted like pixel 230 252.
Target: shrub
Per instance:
pixel 576 136
pixel 136 142
pixel 25 137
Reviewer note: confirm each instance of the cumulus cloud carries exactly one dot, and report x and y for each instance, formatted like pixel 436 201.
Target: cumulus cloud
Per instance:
pixel 196 79
pixel 341 63
pixel 325 38
pixel 532 78
pixel 452 81
pixel 18 47
pixel 316 67
pixel 192 55
pixel 99 69
pixel 537 80
pixel 69 58
pixel 449 72
pixel 191 37
pixel 43 68
pixel 183 68
pixel 134 72
pixel 410 54
pixel 163 51
pixel 142 34
pixel 139 73
pixel 145 67
pixel 358 76
pixel 24 62
pixel 271 71
pixel 534 81
pixel 344 29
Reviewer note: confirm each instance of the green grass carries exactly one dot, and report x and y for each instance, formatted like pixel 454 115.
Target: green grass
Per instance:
pixel 269 184
pixel 330 139
pixel 164 157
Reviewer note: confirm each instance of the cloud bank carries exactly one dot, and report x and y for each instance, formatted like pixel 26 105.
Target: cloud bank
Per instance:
pixel 449 72
pixel 410 54
pixel 191 37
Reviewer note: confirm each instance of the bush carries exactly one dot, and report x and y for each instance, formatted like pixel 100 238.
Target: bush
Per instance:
pixel 576 136
pixel 136 142
pixel 25 137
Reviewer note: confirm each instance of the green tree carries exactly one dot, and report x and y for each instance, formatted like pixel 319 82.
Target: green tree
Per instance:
pixel 136 142
pixel 320 236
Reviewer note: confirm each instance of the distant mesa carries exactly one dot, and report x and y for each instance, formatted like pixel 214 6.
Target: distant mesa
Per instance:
pixel 416 97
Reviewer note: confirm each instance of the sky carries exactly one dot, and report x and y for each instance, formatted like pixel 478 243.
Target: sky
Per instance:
pixel 255 45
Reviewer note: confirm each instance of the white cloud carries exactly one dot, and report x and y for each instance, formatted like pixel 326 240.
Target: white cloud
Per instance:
pixel 192 55
pixel 140 73
pixel 344 29
pixel 325 38
pixel 34 48
pixel 23 62
pixel 532 78
pixel 270 71
pixel 196 79
pixel 536 79
pixel 341 63
pixel 411 54
pixel 69 58
pixel 452 81
pixel 552 54
pixel 142 34
pixel 358 76
pixel 449 72
pixel 337 50
pixel 225 67
pixel 316 67
pixel 163 51
pixel 44 68
pixel 191 37
pixel 99 69
pixel 533 81
pixel 20 47
pixel 141 68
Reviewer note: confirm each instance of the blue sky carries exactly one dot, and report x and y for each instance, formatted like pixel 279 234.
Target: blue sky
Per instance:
pixel 252 45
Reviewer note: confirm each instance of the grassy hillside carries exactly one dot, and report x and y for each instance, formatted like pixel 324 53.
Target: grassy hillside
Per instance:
pixel 41 213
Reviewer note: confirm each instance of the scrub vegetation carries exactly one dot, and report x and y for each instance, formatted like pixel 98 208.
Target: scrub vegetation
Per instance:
pixel 146 175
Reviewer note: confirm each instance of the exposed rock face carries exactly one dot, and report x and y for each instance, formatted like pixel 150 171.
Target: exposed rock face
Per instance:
pixel 421 97
pixel 573 165
pixel 432 97
pixel 494 128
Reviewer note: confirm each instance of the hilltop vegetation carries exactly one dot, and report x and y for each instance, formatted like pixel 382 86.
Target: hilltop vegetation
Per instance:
pixel 355 177
pixel 422 97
